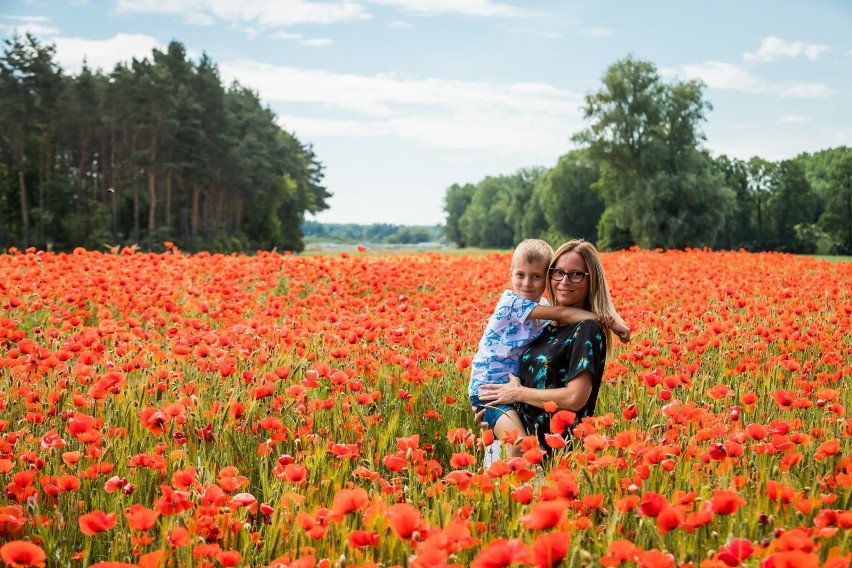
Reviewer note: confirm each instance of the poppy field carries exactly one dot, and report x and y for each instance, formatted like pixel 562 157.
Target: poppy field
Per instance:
pixel 207 410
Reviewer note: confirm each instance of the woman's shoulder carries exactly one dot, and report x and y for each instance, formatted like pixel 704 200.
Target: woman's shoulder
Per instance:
pixel 588 325
pixel 582 330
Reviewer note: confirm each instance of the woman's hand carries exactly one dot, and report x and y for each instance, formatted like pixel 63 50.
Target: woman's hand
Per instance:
pixel 504 393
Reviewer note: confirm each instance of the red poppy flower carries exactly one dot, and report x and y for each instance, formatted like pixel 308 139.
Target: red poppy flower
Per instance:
pixel 460 460
pixel 827 449
pixel 96 521
pixel 404 519
pixel 549 549
pixel 346 501
pixel 229 557
pixel 554 441
pixel 172 502
pixel 140 518
pixel 523 494
pixel 178 537
pixel 783 398
pixel 627 503
pixel 670 518
pixel 361 539
pixel 545 514
pixel 655 559
pixel 561 421
pixel 652 504
pixel 21 553
pixel 736 551
pixel 619 551
pixel 499 553
pixel 726 502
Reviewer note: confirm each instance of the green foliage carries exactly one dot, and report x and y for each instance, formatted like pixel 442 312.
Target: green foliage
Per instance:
pixel 519 216
pixel 641 177
pixel 376 233
pixel 610 236
pixel 658 182
pixel 569 198
pixel 89 229
pixel 792 202
pixel 484 223
pixel 740 229
pixel 456 202
pixel 157 149
pixel 836 220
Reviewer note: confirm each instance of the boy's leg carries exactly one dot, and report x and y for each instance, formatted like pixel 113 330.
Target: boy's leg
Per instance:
pixel 493 453
pixel 508 422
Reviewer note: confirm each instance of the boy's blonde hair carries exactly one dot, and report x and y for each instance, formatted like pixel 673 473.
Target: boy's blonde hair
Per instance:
pixel 533 251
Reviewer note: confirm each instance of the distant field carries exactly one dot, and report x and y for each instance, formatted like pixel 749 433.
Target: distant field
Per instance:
pixel 312 248
pixel 832 258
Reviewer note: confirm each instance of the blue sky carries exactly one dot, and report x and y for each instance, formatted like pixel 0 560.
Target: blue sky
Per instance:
pixel 402 98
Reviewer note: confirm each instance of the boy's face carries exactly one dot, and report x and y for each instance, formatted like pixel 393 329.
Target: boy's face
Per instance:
pixel 529 279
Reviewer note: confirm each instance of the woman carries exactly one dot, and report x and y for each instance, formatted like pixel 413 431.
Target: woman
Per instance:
pixel 565 364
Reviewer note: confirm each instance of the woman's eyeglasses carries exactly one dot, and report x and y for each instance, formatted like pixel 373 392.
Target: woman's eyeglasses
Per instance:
pixel 574 276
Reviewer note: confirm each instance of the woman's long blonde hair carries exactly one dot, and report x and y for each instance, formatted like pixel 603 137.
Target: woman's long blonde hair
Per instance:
pixel 598 300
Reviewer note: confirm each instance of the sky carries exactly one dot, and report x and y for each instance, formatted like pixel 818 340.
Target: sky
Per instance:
pixel 400 99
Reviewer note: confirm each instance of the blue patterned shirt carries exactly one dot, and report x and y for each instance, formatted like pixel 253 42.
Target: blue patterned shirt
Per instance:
pixel 508 333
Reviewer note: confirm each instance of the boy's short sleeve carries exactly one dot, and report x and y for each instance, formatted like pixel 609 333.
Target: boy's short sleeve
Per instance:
pixel 521 308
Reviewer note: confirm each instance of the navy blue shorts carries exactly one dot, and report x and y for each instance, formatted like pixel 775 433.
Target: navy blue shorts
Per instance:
pixel 493 412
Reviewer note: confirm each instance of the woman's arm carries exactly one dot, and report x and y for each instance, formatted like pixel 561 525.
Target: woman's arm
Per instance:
pixel 572 397
pixel 563 314
pixel 570 315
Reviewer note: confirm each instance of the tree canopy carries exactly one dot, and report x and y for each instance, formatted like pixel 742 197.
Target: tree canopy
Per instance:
pixel 155 150
pixel 641 176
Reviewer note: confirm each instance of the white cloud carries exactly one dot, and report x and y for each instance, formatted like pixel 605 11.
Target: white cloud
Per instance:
pixel 36 29
pixel 23 18
pixel 500 118
pixel 486 8
pixel 286 35
pixel 599 32
pixel 772 48
pixel 744 144
pixel 259 12
pixel 313 42
pixel 313 127
pixel 719 75
pixel 318 42
pixel 794 119
pixel 22 25
pixel 728 76
pixel 802 90
pixel 103 54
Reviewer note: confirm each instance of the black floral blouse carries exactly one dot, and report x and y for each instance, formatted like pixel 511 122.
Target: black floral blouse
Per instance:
pixel 554 359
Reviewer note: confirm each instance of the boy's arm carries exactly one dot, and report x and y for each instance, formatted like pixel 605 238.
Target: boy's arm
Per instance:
pixel 564 314
pixel 570 315
pixel 619 328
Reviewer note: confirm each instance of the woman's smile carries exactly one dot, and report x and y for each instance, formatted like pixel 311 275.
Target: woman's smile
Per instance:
pixel 569 293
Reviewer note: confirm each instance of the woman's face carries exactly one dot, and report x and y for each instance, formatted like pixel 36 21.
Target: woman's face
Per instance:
pixel 565 292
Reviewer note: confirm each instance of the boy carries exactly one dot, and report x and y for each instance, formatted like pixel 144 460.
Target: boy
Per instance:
pixel 518 318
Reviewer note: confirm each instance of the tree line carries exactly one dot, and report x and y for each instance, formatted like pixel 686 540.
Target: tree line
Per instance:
pixel 384 233
pixel 640 176
pixel 155 150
